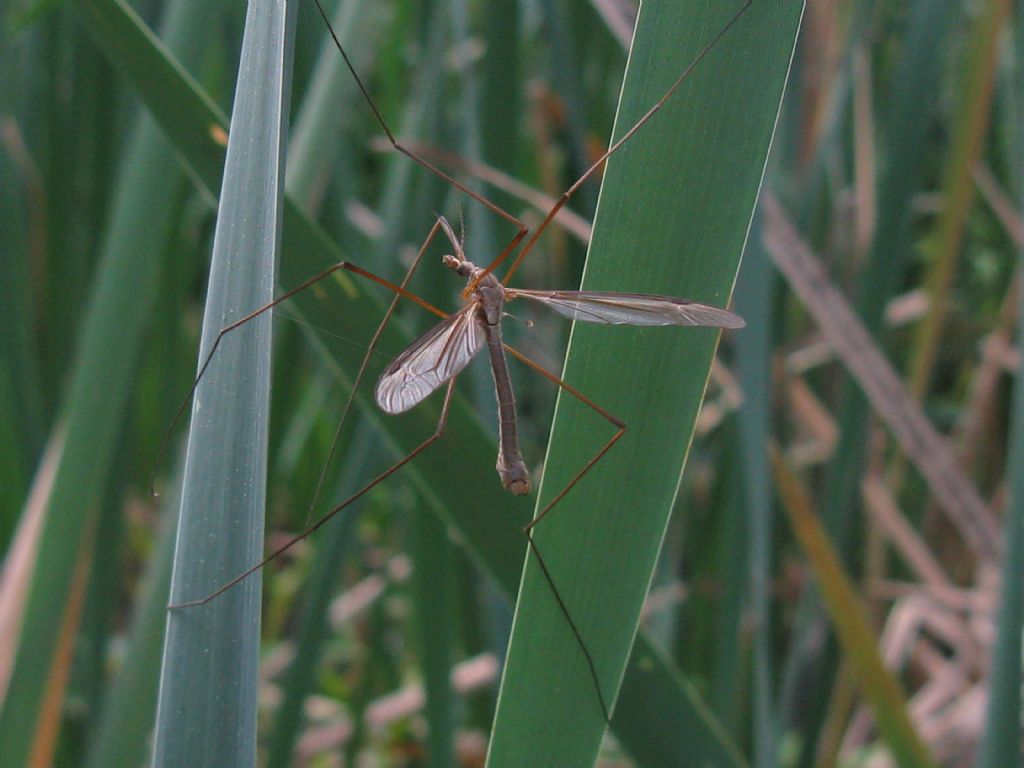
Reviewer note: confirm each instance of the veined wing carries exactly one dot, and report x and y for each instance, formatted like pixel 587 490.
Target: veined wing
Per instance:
pixel 430 361
pixel 630 308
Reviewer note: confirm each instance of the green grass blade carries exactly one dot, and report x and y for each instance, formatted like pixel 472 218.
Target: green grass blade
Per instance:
pixel 565 78
pixel 316 129
pixel 674 212
pixel 122 733
pixel 958 188
pixel 332 554
pixel 661 719
pixel 207 706
pixel 124 293
pixel 1002 716
pixel 160 82
pixel 1002 733
pixel 126 722
pixel 435 593
pixel 21 401
pixel 753 351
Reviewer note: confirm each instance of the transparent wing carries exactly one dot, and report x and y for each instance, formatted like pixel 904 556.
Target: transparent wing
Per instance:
pixel 630 308
pixel 430 361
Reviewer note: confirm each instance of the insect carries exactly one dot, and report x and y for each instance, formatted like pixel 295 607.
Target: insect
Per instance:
pixel 435 360
pixel 440 354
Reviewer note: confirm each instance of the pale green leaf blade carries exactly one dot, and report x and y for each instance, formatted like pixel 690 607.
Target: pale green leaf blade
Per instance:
pixel 208 690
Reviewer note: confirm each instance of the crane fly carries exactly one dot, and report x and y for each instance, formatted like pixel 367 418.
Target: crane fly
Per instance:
pixel 441 353
pixel 436 358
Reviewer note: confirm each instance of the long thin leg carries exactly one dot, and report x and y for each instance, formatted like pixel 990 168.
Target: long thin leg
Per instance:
pixel 399 147
pixel 399 290
pixel 528 529
pixel 438 432
pixel 438 225
pixel 616 422
pixel 571 221
pixel 206 363
pixel 565 197
pixel 611 151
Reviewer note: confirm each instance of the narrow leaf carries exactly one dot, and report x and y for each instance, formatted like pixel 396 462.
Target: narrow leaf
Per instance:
pixel 673 215
pixel 207 707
